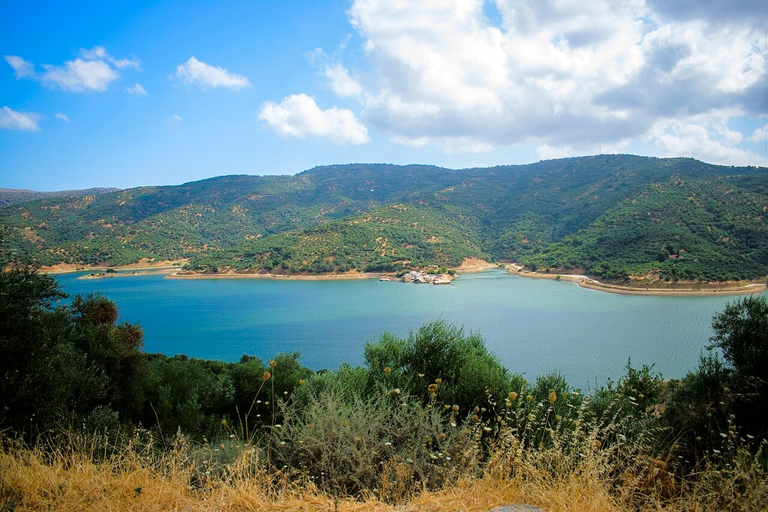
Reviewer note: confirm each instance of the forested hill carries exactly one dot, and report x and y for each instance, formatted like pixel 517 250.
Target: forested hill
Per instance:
pixel 10 196
pixel 611 216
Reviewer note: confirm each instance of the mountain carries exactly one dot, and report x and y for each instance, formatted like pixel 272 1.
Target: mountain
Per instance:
pixel 611 216
pixel 11 196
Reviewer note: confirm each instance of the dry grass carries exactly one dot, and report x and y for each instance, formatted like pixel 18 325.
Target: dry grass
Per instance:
pixel 33 480
pixel 529 454
pixel 74 479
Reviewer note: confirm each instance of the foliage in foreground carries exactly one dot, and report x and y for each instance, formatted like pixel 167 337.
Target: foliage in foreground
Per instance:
pixel 592 466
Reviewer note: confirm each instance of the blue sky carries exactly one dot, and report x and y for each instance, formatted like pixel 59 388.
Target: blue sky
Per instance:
pixel 150 93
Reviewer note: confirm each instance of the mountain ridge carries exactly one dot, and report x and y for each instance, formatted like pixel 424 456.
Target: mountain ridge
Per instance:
pixel 11 196
pixel 549 215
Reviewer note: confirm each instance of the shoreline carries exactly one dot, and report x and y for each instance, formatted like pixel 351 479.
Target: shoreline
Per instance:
pixel 173 270
pixel 141 266
pixel 280 277
pixel 127 273
pixel 692 290
pixel 468 266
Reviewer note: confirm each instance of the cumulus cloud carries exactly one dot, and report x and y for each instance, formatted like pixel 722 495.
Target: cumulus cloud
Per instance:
pixel 209 77
pixel 21 67
pixel 550 73
pixel 61 117
pixel 12 120
pixel 298 115
pixel 760 134
pixel 80 75
pixel 703 139
pixel 136 89
pixel 341 83
pixel 94 70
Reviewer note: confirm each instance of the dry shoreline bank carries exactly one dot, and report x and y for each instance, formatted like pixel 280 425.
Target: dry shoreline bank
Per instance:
pixel 686 290
pixel 173 270
pixel 140 267
pixel 279 277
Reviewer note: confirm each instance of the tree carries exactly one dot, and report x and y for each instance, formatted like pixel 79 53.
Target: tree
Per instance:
pixel 62 364
pixel 741 332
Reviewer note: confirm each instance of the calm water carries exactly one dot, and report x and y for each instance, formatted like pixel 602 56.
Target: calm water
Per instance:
pixel 533 326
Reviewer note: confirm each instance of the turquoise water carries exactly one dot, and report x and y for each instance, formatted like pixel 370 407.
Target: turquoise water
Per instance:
pixel 533 326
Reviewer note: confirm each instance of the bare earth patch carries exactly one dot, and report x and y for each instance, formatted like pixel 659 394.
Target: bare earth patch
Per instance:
pixel 474 265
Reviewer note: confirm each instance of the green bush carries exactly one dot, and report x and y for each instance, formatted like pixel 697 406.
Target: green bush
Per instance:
pixel 461 367
pixel 699 407
pixel 387 442
pixel 62 362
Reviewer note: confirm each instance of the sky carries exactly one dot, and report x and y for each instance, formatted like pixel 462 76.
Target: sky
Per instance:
pixel 125 94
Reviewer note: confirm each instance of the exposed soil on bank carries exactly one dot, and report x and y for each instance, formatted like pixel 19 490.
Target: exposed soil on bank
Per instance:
pixel 681 288
pixel 141 265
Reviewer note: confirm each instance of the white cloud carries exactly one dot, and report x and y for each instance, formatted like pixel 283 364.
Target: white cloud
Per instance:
pixel 700 140
pixel 136 89
pixel 553 74
pixel 547 152
pixel 209 77
pixel 760 134
pixel 96 53
pixel 21 67
pixel 78 75
pixel 338 77
pixel 174 119
pixel 100 53
pixel 341 83
pixel 94 70
pixel 298 115
pixel 12 120
pixel 61 117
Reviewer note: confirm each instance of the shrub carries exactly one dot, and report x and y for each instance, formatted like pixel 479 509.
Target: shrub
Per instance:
pixel 741 332
pixel 388 443
pixel 469 375
pixel 61 362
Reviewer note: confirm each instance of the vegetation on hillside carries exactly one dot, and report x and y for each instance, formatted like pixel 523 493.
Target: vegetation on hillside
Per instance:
pixel 705 229
pixel 384 239
pixel 11 196
pixel 614 215
pixel 429 413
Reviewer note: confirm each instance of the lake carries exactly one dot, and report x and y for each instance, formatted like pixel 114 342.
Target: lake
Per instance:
pixel 534 326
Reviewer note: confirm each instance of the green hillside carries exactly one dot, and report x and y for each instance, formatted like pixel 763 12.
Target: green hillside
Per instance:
pixel 614 216
pixel 386 238
pixel 11 196
pixel 706 229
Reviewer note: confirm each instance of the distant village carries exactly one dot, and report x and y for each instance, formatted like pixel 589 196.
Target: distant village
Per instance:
pixel 416 276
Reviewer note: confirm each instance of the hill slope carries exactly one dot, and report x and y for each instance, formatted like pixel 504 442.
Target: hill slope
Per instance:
pixel 11 196
pixel 614 215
